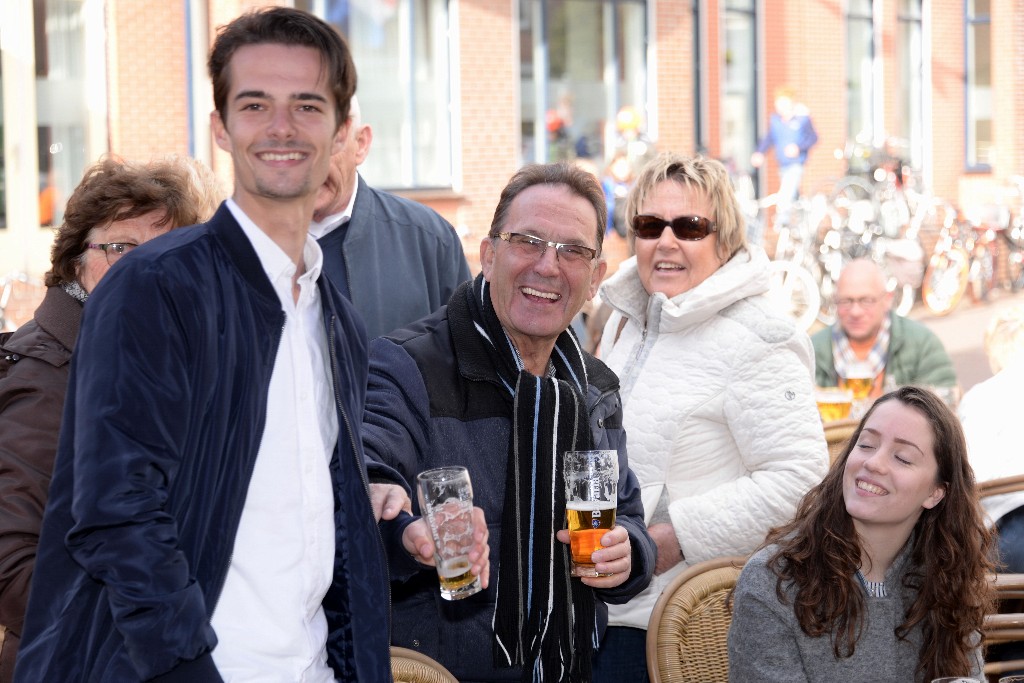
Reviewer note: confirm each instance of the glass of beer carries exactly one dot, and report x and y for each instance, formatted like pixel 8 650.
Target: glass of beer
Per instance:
pixel 446 503
pixel 591 490
pixel 833 403
pixel 858 378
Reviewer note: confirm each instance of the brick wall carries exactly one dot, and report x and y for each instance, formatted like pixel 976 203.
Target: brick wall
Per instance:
pixel 673 40
pixel 147 76
pixel 488 66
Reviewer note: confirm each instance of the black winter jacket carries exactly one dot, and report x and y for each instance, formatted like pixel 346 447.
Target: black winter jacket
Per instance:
pixel 154 462
pixel 431 404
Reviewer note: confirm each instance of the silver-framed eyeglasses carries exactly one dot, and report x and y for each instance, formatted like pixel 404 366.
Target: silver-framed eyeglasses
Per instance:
pixel 112 250
pixel 863 302
pixel 534 247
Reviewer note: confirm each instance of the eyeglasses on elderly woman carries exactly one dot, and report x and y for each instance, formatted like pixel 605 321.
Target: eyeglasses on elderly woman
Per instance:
pixel 112 250
pixel 689 228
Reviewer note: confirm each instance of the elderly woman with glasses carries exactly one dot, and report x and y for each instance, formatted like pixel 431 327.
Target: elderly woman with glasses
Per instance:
pixel 717 386
pixel 117 206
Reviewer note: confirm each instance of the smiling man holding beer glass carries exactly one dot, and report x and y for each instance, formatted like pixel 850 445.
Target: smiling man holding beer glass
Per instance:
pixel 496 383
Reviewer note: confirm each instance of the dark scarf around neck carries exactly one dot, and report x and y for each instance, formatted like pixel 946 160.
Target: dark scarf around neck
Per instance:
pixel 544 620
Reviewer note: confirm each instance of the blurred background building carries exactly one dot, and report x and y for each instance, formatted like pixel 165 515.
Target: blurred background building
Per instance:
pixel 461 93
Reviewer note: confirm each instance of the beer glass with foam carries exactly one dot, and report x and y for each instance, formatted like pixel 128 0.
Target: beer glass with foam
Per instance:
pixel 833 403
pixel 591 489
pixel 446 503
pixel 858 378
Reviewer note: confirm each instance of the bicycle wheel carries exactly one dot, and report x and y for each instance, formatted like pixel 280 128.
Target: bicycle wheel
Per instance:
pixel 794 292
pixel 827 293
pixel 1015 264
pixel 945 280
pixel 903 300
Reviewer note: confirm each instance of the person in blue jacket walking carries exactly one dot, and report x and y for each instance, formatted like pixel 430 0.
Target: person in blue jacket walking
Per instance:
pixel 791 132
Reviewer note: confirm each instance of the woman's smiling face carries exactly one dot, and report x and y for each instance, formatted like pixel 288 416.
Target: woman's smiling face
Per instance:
pixel 669 265
pixel 891 475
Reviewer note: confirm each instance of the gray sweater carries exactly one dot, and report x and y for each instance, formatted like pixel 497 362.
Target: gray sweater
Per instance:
pixel 767 645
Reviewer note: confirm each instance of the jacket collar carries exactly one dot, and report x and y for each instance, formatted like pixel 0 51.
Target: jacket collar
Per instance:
pixel 60 316
pixel 742 276
pixel 226 230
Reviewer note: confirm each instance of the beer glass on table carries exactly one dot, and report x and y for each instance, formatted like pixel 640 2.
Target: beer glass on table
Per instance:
pixel 591 490
pixel 858 378
pixel 446 503
pixel 833 403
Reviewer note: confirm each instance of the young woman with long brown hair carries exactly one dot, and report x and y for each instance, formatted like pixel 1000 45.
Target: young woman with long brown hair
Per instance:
pixel 882 573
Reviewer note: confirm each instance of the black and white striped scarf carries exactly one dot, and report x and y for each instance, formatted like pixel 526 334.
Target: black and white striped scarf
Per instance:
pixel 544 620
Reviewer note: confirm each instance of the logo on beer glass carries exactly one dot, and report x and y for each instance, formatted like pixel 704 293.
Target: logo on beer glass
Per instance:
pixel 446 503
pixel 591 486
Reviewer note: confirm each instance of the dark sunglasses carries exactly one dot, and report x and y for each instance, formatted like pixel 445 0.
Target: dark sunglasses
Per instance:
pixel 689 228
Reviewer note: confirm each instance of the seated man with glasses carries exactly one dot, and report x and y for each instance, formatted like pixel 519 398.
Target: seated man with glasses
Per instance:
pixel 894 351
pixel 498 383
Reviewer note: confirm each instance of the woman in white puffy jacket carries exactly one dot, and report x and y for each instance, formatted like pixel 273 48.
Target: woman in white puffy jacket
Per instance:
pixel 717 387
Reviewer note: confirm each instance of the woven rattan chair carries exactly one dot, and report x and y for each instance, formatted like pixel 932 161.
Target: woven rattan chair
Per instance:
pixel 837 434
pixel 994 487
pixel 1007 625
pixel 689 627
pixel 409 666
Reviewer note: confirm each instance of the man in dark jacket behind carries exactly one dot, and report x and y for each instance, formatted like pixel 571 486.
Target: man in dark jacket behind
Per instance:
pixel 496 382
pixel 209 517
pixel 395 259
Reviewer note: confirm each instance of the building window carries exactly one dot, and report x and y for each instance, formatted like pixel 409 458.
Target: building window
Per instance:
pixel 739 105
pixel 401 51
pixel 910 100
pixel 3 167
pixel 582 63
pixel 860 57
pixel 979 85
pixel 61 98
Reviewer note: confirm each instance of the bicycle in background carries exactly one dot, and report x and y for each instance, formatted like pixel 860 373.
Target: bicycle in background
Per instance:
pixel 8 284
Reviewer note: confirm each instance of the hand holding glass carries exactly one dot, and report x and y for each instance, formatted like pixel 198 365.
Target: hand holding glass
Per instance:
pixel 591 490
pixel 446 503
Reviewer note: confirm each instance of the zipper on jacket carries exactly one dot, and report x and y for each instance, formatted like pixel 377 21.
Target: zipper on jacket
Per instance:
pixel 360 466
pixel 231 555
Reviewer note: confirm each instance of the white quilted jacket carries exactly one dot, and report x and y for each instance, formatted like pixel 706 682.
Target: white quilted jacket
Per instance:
pixel 718 393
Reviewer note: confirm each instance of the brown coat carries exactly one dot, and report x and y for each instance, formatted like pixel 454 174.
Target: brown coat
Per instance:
pixel 34 365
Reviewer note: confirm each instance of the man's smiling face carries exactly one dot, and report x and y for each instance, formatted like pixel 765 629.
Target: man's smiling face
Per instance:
pixel 281 127
pixel 536 298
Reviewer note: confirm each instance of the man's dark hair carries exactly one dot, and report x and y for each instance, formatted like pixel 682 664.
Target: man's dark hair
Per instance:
pixel 284 26
pixel 580 182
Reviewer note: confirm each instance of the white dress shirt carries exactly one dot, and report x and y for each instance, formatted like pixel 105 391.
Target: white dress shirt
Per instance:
pixel 318 229
pixel 269 620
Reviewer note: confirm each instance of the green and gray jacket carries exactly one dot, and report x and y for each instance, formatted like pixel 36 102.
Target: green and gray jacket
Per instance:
pixel 916 356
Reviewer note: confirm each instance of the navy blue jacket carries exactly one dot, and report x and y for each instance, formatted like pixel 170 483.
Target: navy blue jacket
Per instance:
pixel 431 404
pixel 396 260
pixel 163 420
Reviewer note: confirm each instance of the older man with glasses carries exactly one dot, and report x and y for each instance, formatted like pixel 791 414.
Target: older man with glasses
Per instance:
pixel 497 383
pixel 869 339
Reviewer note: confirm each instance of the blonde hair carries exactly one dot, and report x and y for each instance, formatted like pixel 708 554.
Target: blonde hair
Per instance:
pixel 699 174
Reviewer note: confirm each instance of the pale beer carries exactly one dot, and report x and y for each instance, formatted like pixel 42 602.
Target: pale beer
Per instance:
pixel 591 484
pixel 446 503
pixel 588 522
pixel 833 403
pixel 860 386
pixel 454 574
